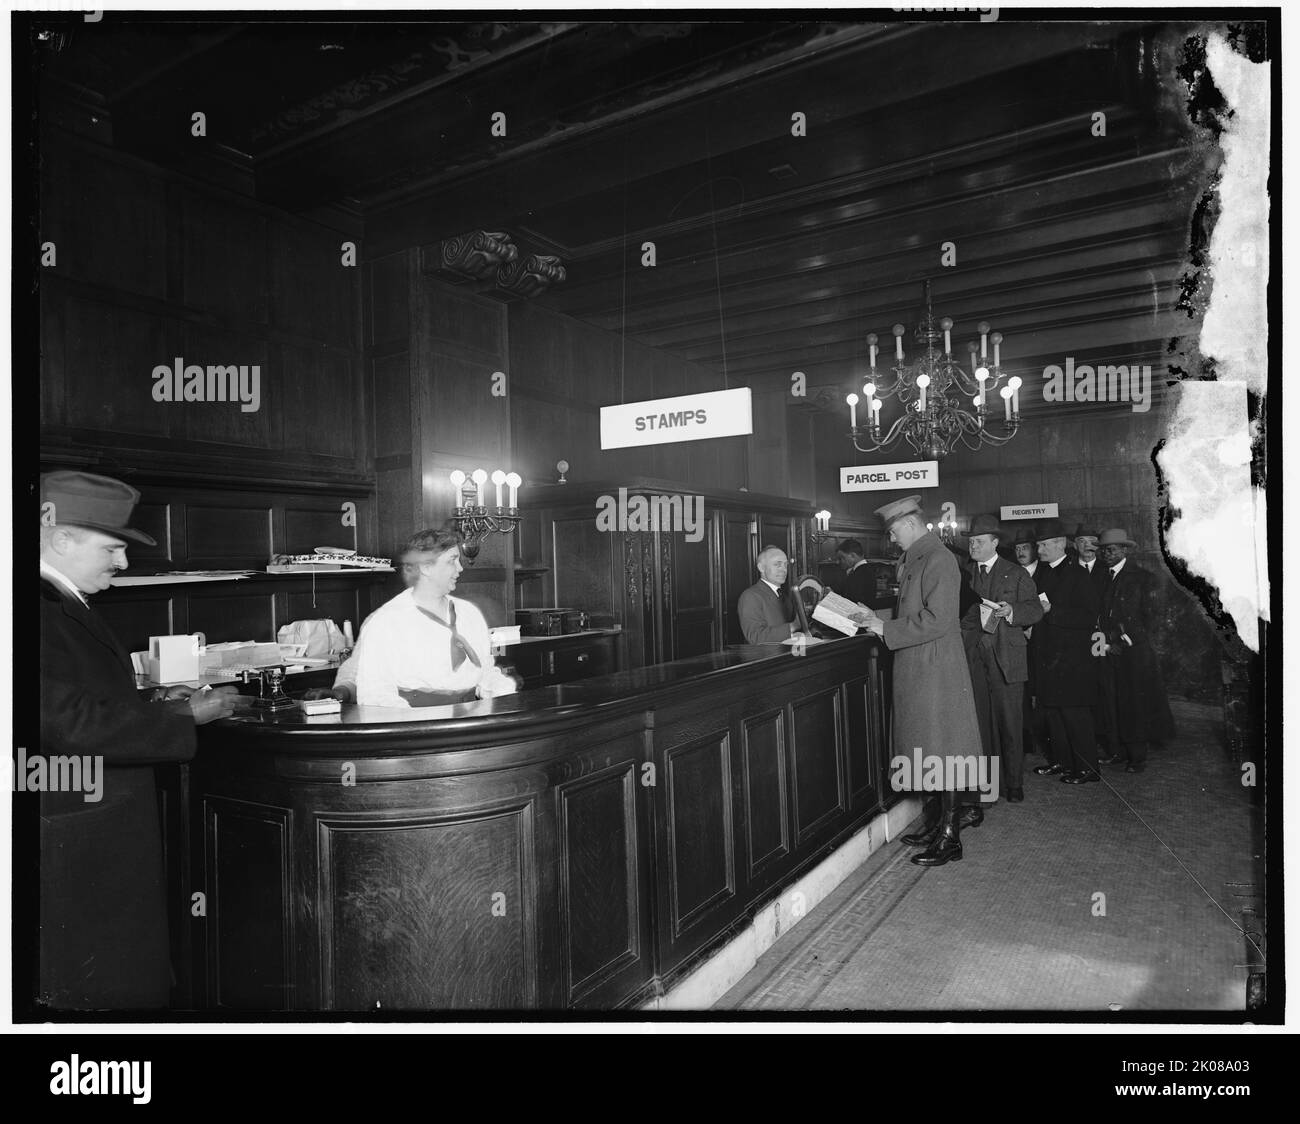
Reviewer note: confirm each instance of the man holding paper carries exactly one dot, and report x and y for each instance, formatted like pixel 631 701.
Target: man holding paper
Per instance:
pixel 993 632
pixel 933 707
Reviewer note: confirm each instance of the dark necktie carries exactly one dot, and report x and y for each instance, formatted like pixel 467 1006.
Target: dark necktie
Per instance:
pixel 1114 574
pixel 461 649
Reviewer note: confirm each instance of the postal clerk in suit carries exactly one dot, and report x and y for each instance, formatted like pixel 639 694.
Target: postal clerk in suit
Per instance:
pixel 767 614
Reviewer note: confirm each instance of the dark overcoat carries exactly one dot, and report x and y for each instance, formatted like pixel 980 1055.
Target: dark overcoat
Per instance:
pixel 1009 582
pixel 103 940
pixel 1065 671
pixel 1141 706
pixel 934 706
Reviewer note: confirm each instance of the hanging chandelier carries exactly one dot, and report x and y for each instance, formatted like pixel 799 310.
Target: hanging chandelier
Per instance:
pixel 943 404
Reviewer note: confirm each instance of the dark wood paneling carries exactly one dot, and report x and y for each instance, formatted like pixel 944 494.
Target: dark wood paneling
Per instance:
pixel 766 795
pixel 600 890
pixel 217 536
pixel 817 762
pixel 155 520
pixel 109 359
pixel 701 852
pixel 391 389
pixel 225 251
pixel 389 303
pixel 249 919
pixel 337 605
pixel 581 565
pixel 858 707
pixel 464 940
pixel 233 616
pixel 307 528
pixel 228 422
pixel 317 387
pixel 136 619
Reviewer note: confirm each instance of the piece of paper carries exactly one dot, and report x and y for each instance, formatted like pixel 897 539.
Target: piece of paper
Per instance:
pixel 833 611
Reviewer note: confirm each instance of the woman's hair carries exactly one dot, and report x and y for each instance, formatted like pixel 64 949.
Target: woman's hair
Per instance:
pixel 435 541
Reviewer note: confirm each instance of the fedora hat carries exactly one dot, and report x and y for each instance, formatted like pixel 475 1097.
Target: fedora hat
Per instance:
pixel 1025 534
pixel 1085 529
pixel 1052 529
pixel 99 503
pixel 985 525
pixel 1116 536
pixel 898 508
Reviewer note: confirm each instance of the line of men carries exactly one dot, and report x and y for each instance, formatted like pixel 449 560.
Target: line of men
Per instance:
pixel 967 639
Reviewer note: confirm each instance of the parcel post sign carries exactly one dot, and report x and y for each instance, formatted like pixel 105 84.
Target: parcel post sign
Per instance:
pixel 887 477
pixel 690 417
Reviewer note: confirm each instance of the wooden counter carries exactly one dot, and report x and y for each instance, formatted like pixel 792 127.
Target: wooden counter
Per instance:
pixel 581 845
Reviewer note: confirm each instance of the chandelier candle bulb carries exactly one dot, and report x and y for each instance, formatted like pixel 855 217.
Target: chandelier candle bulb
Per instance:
pixel 498 478
pixel 480 478
pixel 875 411
pixel 946 325
pixel 983 328
pixel 513 480
pixel 1006 399
pixel 997 350
pixel 852 400
pixel 898 341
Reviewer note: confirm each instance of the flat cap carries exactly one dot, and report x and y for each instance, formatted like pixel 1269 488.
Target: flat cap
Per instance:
pixel 899 508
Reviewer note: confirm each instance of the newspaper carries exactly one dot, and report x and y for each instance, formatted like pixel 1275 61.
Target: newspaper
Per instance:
pixel 833 611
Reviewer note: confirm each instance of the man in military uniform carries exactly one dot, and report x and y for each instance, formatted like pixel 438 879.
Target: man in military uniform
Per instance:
pixel 933 704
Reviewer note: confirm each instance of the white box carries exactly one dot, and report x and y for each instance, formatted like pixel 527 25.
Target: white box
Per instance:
pixel 173 659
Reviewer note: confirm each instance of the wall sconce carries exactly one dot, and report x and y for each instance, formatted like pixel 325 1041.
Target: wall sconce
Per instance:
pixel 472 518
pixel 947 531
pixel 821 526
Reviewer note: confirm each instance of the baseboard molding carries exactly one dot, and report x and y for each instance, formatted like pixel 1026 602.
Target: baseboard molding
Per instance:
pixel 708 983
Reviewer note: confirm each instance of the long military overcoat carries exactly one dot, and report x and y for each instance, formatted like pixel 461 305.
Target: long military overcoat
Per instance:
pixel 934 706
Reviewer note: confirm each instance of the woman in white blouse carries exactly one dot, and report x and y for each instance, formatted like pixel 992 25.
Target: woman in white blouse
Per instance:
pixel 426 647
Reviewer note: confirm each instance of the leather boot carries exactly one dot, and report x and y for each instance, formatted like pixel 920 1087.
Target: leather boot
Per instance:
pixel 930 825
pixel 947 846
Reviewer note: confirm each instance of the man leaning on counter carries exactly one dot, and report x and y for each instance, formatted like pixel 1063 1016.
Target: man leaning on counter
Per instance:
pixel 425 647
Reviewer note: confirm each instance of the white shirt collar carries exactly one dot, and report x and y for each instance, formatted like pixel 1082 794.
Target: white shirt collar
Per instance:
pixel 1115 569
pixel 860 562
pixel 1088 565
pixel 1053 565
pixel 61 579
pixel 774 588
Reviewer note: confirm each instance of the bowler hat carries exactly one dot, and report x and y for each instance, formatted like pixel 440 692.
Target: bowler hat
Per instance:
pixel 899 508
pixel 1026 534
pixel 1085 529
pixel 100 503
pixel 985 525
pixel 1052 529
pixel 1116 536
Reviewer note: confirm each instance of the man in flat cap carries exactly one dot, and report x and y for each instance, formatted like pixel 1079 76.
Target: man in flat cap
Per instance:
pixel 103 917
pixel 1134 704
pixel 993 632
pixel 933 705
pixel 1066 677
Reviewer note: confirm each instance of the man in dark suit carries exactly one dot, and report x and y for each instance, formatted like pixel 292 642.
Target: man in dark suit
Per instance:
pixel 1064 665
pixel 859 581
pixel 996 649
pixel 769 614
pixel 1134 704
pixel 1033 724
pixel 1085 544
pixel 103 919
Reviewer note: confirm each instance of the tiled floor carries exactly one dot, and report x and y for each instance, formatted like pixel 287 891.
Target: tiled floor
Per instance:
pixel 1123 895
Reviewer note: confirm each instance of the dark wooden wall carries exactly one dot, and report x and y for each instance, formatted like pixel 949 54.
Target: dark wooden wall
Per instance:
pixel 152 265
